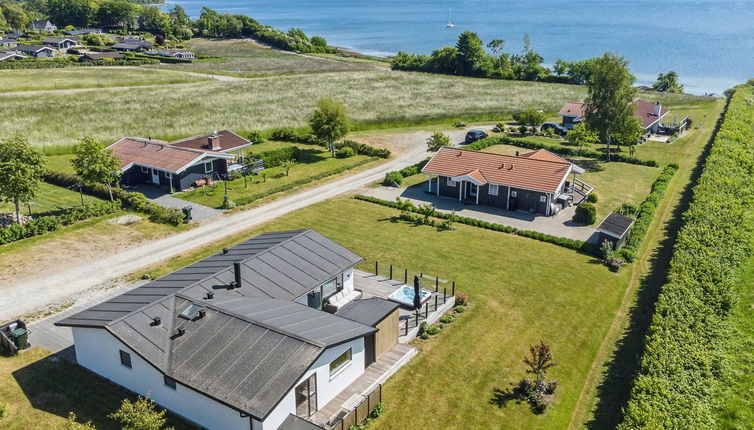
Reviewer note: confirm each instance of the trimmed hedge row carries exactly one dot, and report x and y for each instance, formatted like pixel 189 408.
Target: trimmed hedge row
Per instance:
pixel 363 149
pixel 560 241
pixel 646 212
pixel 288 134
pixel 557 149
pixel 45 64
pixel 133 201
pixel 276 157
pixel 684 364
pixel 45 224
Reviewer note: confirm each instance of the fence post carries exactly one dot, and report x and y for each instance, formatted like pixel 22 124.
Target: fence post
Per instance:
pixel 437 284
pixel 376 268
pixel 435 302
pixel 444 294
pixel 406 332
pixel 426 310
pixel 454 289
pixel 391 271
pixel 417 318
pixel 405 276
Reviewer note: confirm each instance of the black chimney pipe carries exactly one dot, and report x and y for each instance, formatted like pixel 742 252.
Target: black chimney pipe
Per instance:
pixel 237 273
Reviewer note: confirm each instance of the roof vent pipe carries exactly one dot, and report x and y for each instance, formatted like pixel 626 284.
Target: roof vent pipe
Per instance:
pixel 156 321
pixel 237 273
pixel 225 251
pixel 181 331
pixel 210 295
pixel 516 153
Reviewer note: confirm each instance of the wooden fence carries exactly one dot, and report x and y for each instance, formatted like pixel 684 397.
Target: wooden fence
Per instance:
pixel 7 345
pixel 361 412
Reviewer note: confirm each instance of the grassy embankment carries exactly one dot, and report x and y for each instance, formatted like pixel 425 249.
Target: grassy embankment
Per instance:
pixel 88 77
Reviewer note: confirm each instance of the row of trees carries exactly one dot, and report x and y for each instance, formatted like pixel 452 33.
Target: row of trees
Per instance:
pixel 471 57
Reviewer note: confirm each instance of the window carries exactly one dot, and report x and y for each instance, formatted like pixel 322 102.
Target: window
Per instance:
pixel 125 358
pixel 169 382
pixel 451 182
pixel 514 194
pixel 306 397
pixel 543 199
pixel 340 362
pixel 144 169
pixel 208 167
pixel 493 190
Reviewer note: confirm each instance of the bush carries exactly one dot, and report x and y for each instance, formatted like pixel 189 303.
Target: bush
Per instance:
pixel 462 299
pixel 434 330
pixel 459 309
pixel 447 319
pixel 592 197
pixel 345 152
pixel 586 213
pixel 285 134
pixel 255 137
pixel 363 149
pixel 3 410
pixel 393 179
pixel 276 157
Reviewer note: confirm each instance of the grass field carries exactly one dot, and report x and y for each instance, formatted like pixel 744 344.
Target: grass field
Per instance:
pixel 88 77
pixel 50 199
pixel 370 96
pixel 247 59
pixel 313 161
pixel 41 390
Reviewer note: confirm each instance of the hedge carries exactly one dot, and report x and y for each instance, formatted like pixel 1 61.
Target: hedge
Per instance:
pixel 684 366
pixel 45 224
pixel 560 241
pixel 646 211
pixel 133 201
pixel 276 157
pixel 287 134
pixel 363 149
pixel 56 64
pixel 557 149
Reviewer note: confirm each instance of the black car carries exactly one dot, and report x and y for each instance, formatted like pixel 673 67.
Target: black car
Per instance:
pixel 474 135
pixel 556 128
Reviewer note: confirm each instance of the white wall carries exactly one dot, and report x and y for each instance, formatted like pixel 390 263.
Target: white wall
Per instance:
pixel 327 388
pixel 348 280
pixel 98 351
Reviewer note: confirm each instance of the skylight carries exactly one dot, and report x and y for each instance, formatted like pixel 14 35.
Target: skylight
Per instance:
pixel 191 311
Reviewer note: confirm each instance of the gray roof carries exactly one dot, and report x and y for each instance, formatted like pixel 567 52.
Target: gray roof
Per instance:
pixel 296 423
pixel 59 39
pixel 615 225
pixel 31 48
pixel 368 311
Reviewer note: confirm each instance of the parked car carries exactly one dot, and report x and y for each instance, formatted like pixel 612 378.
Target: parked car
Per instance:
pixel 474 135
pixel 556 128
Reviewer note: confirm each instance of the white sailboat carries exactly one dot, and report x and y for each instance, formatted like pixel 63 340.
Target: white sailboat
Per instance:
pixel 450 23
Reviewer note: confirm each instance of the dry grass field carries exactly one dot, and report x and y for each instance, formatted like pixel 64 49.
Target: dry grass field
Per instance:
pixel 88 77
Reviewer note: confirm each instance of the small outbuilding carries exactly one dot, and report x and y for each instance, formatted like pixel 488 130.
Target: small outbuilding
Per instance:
pixel 614 229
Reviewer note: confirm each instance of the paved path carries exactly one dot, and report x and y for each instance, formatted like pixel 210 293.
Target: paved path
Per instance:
pixel 558 225
pixel 160 196
pixel 39 290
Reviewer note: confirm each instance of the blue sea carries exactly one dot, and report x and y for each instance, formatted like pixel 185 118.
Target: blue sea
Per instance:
pixel 709 43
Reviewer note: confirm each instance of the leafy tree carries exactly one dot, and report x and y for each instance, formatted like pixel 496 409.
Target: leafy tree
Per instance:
pixel 93 39
pixel 610 95
pixel 319 41
pixel 668 83
pixel 540 360
pixel 628 133
pixel 79 13
pixel 140 415
pixel 153 20
pixel 471 53
pixel 531 118
pixel 95 163
pixel 21 169
pixel 117 13
pixel 72 424
pixel 437 140
pixel 255 136
pixel 329 121
pixel 582 136
pixel 180 23
pixel 287 165
pixel 15 16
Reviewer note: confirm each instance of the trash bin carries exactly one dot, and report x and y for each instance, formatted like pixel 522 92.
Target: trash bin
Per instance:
pixel 187 211
pixel 20 337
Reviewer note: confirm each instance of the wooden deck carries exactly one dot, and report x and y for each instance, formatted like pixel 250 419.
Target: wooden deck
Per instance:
pixel 377 373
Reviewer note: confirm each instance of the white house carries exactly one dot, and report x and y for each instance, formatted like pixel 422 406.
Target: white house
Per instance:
pixel 35 51
pixel 174 53
pixel 60 42
pixel 43 25
pixel 238 340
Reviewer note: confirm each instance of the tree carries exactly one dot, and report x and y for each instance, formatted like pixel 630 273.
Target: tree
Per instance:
pixel 531 118
pixel 610 95
pixel 21 169
pixel 287 164
pixel 540 360
pixel 582 136
pixel 180 23
pixel 71 424
pixel 153 20
pixel 437 140
pixel 471 53
pixel 15 16
pixel 95 163
pixel 329 121
pixel 79 13
pixel 117 13
pixel 668 83
pixel 140 415
pixel 628 133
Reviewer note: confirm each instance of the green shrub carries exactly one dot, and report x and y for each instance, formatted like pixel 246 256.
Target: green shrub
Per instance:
pixel 255 137
pixel 3 410
pixel 363 149
pixel 586 213
pixel 434 330
pixel 285 134
pixel 592 197
pixel 345 152
pixel 277 157
pixel 459 309
pixel 447 319
pixel 424 336
pixel 392 179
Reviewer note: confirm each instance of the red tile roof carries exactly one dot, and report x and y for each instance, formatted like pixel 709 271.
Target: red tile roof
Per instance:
pixel 545 155
pixel 643 109
pixel 226 138
pixel 158 154
pixel 530 171
pixel 575 109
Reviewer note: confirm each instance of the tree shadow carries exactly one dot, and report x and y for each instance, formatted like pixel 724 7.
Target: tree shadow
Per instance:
pixel 614 391
pixel 501 398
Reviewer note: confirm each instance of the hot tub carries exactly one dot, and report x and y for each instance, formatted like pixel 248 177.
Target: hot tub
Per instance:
pixel 405 296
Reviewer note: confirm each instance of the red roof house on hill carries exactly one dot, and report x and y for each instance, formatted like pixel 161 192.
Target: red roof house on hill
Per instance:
pixel 649 113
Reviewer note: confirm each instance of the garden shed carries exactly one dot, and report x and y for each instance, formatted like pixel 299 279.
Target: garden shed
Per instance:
pixel 615 228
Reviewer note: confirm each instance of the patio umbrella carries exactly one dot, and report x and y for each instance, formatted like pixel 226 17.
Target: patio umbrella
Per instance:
pixel 417 293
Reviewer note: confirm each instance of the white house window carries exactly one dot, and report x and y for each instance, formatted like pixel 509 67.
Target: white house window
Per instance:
pixel 493 190
pixel 125 358
pixel 144 169
pixel 169 382
pixel 340 362
pixel 514 194
pixel 451 182
pixel 543 199
pixel 208 167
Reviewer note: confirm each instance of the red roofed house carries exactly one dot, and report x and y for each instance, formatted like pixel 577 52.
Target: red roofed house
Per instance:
pixel 177 164
pixel 536 182
pixel 649 113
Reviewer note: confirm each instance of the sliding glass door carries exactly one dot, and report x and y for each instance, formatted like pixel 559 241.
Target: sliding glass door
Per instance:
pixel 306 397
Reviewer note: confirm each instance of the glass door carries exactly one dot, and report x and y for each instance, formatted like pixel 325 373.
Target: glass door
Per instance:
pixel 306 397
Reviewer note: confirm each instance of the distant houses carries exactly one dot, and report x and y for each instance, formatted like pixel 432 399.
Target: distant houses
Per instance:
pixel 60 42
pixel 43 25
pixel 10 55
pixel 8 43
pixel 132 45
pixel 36 51
pixel 83 32
pixel 649 113
pixel 99 56
pixel 173 53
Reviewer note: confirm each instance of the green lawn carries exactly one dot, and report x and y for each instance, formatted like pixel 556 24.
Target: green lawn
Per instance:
pixel 614 183
pixel 88 77
pixel 247 59
pixel 60 163
pixel 313 161
pixel 40 391
pixel 50 199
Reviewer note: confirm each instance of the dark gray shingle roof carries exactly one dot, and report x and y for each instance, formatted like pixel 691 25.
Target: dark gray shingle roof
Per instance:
pixel 295 423
pixel 615 224
pixel 368 311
